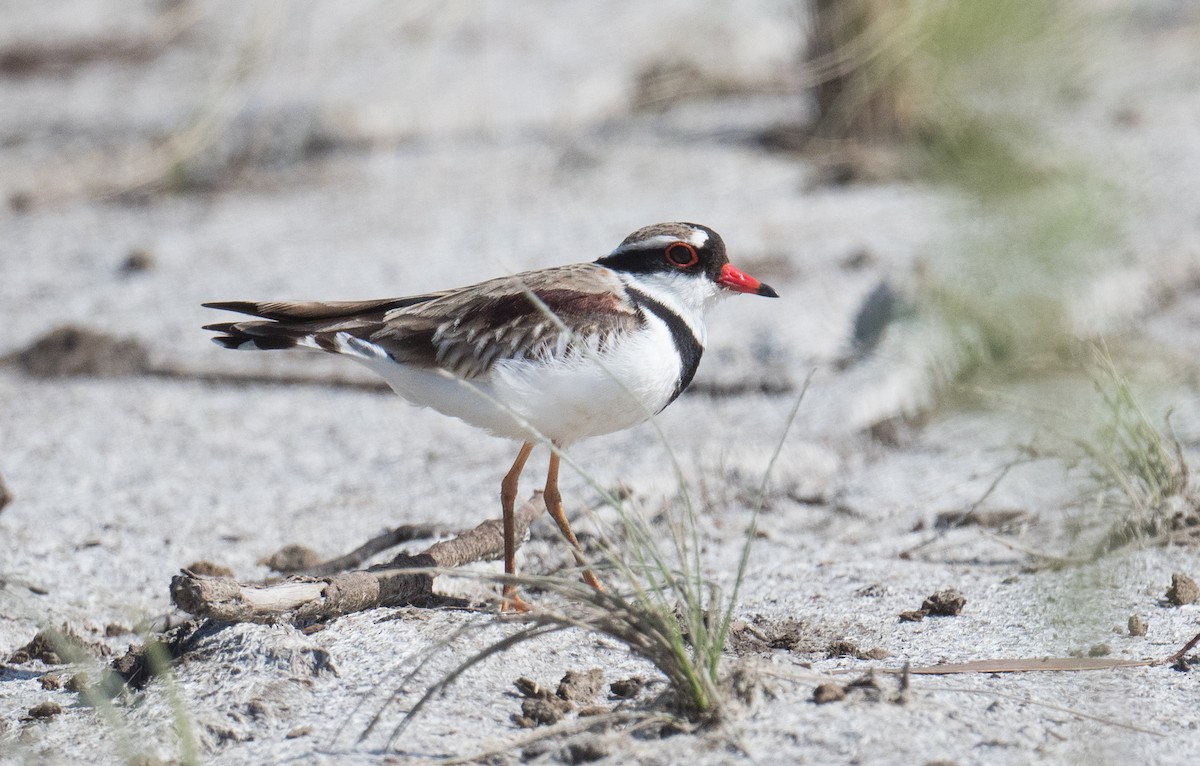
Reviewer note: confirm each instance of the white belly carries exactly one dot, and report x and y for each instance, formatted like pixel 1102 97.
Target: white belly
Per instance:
pixel 563 400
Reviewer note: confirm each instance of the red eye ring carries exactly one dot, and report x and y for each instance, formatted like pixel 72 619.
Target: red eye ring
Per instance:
pixel 681 255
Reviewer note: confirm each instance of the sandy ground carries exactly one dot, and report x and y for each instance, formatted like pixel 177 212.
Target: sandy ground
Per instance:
pixel 371 151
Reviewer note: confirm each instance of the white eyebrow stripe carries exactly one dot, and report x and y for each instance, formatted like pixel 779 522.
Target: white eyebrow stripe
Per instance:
pixel 698 239
pixel 661 240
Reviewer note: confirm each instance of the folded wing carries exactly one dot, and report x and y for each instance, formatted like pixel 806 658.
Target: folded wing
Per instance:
pixel 550 313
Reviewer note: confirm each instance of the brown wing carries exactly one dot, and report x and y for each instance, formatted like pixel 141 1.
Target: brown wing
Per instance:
pixel 464 331
pixel 544 313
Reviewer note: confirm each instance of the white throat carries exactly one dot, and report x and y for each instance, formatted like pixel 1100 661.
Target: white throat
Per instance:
pixel 688 295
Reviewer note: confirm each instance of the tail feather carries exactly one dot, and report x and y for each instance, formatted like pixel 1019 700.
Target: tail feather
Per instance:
pixel 290 324
pixel 307 311
pixel 265 336
pixel 339 327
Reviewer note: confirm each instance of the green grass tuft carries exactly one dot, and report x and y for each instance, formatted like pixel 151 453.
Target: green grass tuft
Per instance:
pixel 1139 464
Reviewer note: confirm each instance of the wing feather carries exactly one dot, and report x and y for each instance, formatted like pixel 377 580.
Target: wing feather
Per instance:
pixel 465 331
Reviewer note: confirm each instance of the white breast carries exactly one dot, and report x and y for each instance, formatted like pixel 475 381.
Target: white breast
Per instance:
pixel 564 400
pixel 567 399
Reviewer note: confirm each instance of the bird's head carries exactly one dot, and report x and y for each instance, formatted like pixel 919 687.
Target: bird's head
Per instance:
pixel 682 254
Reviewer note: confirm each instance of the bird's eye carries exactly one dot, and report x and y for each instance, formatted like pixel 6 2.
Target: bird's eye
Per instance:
pixel 682 255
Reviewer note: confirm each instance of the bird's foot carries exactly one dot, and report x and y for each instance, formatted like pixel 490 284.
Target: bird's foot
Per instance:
pixel 512 601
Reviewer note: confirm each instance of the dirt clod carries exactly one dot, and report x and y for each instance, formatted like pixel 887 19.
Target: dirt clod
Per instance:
pixel 541 706
pixel 585 751
pixel 1137 626
pixel 826 693
pixel 746 638
pixel 532 689
pixel 132 667
pixel 47 709
pixel 139 665
pixel 1183 590
pixel 789 634
pixel 114 629
pixel 69 352
pixel 1099 650
pixel 760 635
pixel 299 731
pixel 944 603
pixel 5 496
pixel 868 681
pixel 858 259
pixel 581 686
pixel 535 749
pixel 545 711
pixel 914 615
pixel 887 432
pixel 20 202
pixel 137 261
pixel 209 569
pixel 51 681
pixel 292 558
pixel 47 646
pixel 842 648
pixel 627 688
pixel 76 683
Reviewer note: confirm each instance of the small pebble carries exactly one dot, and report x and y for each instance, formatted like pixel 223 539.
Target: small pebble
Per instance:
pixel 627 687
pixel 47 709
pixel 137 261
pixel 1137 626
pixel 826 693
pixel 1183 590
pixel 945 603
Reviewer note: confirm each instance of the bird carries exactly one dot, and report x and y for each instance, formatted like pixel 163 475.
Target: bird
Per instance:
pixel 552 355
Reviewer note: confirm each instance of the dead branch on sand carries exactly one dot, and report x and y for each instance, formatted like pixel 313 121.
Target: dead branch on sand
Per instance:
pixel 401 581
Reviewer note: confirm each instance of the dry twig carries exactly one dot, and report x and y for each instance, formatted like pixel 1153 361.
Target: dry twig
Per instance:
pixel 378 544
pixel 401 581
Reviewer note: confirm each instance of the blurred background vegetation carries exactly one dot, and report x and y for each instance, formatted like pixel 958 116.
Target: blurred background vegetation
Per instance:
pixel 959 92
pixel 961 96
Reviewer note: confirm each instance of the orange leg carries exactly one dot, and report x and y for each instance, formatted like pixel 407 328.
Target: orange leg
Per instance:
pixel 555 507
pixel 508 500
